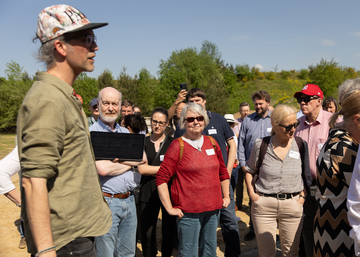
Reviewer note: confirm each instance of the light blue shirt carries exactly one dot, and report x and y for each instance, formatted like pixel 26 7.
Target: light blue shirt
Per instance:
pixel 115 184
pixel 253 127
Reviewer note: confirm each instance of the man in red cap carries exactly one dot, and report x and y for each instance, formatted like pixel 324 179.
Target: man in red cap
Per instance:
pixel 314 129
pixel 62 202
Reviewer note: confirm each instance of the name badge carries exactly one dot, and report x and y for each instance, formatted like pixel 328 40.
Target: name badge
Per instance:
pixel 294 154
pixel 212 131
pixel 268 130
pixel 210 151
pixel 320 146
pixel 161 158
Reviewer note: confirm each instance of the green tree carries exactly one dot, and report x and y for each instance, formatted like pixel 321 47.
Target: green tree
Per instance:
pixel 198 70
pixel 88 88
pixel 128 86
pixel 146 87
pixel 327 75
pixel 14 71
pixel 210 48
pixel 106 79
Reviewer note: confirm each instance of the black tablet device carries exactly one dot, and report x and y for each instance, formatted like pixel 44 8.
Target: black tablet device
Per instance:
pixel 124 146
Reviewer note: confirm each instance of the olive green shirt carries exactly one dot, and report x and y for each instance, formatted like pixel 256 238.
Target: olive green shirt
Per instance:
pixel 54 143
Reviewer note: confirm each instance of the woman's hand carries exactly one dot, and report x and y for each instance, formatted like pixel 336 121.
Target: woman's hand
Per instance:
pixel 301 200
pixel 254 197
pixel 176 212
pixel 226 202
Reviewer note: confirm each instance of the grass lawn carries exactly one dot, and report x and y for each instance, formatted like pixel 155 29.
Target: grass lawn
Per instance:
pixel 7 144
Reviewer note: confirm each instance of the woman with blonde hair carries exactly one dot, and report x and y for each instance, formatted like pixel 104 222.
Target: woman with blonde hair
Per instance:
pixel 335 166
pixel 277 176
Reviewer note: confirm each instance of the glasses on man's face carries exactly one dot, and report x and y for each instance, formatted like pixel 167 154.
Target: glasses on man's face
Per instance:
pixel 198 118
pixel 138 113
pixel 306 99
pixel 90 39
pixel 161 123
pixel 94 106
pixel 289 127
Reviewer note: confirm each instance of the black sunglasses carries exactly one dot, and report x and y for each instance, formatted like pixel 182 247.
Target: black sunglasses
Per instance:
pixel 89 39
pixel 198 118
pixel 289 127
pixel 306 99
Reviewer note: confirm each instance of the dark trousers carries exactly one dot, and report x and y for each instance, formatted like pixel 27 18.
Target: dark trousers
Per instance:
pixel 240 186
pixel 148 216
pixel 80 247
pixel 230 228
pixel 310 208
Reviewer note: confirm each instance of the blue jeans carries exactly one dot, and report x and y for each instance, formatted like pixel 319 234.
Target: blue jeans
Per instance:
pixel 121 239
pixel 230 228
pixel 234 177
pixel 198 230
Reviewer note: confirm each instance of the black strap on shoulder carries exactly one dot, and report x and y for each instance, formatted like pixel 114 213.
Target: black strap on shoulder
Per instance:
pixel 263 147
pixel 300 144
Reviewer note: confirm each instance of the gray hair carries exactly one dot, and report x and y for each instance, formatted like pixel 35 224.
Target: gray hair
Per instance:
pixel 347 87
pixel 197 108
pixel 46 53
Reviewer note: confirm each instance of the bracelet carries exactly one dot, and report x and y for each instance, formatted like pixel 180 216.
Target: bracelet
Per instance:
pixel 45 251
pixel 303 196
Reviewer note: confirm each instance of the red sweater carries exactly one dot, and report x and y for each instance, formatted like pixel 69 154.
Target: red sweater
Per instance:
pixel 196 186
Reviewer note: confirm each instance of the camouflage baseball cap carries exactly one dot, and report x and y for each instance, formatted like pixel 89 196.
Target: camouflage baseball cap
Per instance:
pixel 57 20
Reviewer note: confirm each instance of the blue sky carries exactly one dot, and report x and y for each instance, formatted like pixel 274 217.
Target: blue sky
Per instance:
pixel 289 34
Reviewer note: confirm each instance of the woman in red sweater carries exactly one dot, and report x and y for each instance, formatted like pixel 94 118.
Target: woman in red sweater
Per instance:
pixel 200 180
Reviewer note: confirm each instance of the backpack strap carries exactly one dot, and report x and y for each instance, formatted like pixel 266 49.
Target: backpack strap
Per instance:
pixel 181 142
pixel 212 142
pixel 300 144
pixel 263 147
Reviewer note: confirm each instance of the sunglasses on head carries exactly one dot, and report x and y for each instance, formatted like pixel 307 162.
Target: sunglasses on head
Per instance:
pixel 306 99
pixel 289 127
pixel 198 118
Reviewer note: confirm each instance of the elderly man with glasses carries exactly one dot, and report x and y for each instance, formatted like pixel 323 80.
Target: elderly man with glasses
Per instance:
pixel 314 129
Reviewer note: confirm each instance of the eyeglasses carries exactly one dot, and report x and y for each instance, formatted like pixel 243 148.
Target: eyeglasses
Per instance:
pixel 90 39
pixel 138 113
pixel 161 123
pixel 94 106
pixel 289 127
pixel 306 99
pixel 198 118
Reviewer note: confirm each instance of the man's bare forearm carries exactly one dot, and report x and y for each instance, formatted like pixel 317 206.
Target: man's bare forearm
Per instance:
pixel 232 155
pixel 109 168
pixel 38 212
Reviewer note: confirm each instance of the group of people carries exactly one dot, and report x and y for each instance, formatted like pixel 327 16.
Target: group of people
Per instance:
pixel 298 171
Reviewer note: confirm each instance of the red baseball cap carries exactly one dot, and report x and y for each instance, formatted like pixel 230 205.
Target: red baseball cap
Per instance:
pixel 310 89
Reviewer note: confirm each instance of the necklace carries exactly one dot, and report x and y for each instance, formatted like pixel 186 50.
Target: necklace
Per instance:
pixel 197 144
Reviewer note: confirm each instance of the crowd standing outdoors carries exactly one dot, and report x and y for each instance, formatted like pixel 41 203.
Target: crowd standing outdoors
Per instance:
pixel 302 172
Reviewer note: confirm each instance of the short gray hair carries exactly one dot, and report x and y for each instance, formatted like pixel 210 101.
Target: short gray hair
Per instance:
pixel 46 53
pixel 197 108
pixel 347 87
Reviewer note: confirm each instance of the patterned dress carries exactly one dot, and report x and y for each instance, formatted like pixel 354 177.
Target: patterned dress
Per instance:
pixel 334 170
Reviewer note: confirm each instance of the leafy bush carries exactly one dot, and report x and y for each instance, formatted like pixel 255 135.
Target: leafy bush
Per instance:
pixel 270 75
pixel 303 74
pixel 285 74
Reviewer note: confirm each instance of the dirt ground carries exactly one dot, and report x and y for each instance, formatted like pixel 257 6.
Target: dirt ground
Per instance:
pixel 10 237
